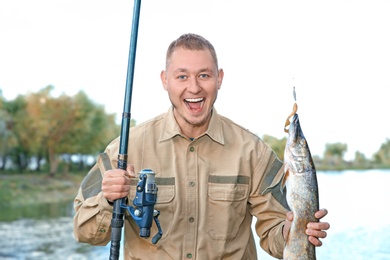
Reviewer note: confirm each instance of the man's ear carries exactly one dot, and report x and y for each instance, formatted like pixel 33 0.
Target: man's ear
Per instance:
pixel 220 77
pixel 163 77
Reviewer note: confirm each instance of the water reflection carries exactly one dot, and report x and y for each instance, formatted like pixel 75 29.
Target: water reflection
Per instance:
pixel 43 232
pixel 43 239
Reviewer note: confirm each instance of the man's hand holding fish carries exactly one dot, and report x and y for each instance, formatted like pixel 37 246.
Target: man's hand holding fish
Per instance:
pixel 315 230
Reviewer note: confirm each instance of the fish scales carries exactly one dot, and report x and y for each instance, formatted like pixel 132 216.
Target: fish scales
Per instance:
pixel 302 193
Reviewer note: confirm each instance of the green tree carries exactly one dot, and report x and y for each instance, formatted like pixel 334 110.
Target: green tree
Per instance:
pixel 7 138
pixel 382 156
pixel 51 127
pixel 93 128
pixel 16 148
pixel 334 153
pixel 360 160
pixel 54 119
pixel 277 145
pixel 74 125
pixel 32 126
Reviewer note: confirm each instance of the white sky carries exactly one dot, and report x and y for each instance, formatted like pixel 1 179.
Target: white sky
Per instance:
pixel 336 51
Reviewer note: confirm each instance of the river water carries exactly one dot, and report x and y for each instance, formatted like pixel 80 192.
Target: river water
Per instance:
pixel 357 202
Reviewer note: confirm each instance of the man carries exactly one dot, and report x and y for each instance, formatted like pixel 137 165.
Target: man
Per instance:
pixel 213 176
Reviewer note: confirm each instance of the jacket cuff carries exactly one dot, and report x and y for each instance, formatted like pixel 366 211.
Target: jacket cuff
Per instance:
pixel 104 204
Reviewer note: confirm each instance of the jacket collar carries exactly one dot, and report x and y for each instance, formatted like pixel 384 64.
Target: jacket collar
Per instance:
pixel 172 129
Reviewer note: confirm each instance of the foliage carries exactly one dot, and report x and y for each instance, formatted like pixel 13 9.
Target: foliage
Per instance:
pixel 276 144
pixel 39 131
pixel 42 127
pixel 383 155
pixel 334 153
pixel 333 158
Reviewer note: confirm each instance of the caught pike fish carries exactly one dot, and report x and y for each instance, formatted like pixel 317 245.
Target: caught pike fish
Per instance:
pixel 302 191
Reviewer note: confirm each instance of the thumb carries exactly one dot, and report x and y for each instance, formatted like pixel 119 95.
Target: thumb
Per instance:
pixel 130 170
pixel 290 216
pixel 287 224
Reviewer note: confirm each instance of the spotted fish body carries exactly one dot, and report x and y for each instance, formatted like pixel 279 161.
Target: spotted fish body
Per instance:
pixel 302 193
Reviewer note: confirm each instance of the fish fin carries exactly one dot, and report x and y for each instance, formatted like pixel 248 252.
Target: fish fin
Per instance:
pixel 287 125
pixel 284 180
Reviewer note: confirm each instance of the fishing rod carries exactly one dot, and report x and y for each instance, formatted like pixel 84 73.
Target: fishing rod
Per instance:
pixel 146 194
pixel 118 211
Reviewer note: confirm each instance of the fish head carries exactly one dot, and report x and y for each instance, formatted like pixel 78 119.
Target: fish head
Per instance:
pixel 296 137
pixel 297 155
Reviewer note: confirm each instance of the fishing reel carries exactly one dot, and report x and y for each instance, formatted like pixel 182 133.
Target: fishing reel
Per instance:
pixel 146 197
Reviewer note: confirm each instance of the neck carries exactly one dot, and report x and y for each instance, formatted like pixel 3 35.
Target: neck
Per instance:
pixel 191 129
pixel 192 133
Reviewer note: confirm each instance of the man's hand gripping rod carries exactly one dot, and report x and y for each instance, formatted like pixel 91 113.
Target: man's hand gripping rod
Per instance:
pixel 146 196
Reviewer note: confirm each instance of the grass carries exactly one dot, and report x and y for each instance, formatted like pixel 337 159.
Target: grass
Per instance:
pixel 20 190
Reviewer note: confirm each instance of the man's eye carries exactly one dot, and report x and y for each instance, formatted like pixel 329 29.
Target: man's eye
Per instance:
pixel 203 76
pixel 182 77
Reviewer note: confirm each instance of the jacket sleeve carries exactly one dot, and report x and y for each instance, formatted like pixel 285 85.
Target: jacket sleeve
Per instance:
pixel 92 220
pixel 268 203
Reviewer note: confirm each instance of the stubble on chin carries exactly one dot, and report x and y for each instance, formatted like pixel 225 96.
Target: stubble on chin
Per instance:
pixel 195 122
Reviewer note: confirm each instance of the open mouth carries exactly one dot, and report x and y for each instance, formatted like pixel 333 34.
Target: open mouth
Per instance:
pixel 194 103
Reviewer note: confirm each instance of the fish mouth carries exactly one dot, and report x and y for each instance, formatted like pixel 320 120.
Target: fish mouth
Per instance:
pixel 294 123
pixel 294 130
pixel 295 119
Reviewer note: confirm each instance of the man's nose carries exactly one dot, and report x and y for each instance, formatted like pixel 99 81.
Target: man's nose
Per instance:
pixel 194 86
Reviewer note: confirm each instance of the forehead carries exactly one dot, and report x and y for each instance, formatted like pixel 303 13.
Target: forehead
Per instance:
pixel 186 58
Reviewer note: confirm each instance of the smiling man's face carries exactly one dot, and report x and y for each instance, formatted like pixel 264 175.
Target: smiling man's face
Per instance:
pixel 192 80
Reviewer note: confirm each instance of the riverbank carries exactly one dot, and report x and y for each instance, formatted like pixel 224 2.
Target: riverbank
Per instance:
pixel 24 190
pixel 363 235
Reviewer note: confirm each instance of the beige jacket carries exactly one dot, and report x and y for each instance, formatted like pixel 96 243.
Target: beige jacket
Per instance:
pixel 208 191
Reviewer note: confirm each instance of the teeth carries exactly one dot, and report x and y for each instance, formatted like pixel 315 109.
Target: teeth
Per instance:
pixel 194 100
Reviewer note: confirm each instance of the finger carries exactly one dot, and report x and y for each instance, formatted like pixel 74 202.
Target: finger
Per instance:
pixel 321 213
pixel 290 216
pixel 111 197
pixel 118 179
pixel 114 173
pixel 315 241
pixel 114 192
pixel 109 174
pixel 117 188
pixel 316 233
pixel 318 225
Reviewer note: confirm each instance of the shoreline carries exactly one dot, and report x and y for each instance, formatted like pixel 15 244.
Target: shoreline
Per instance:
pixel 22 190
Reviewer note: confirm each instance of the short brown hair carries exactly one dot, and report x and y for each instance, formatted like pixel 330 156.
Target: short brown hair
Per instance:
pixel 191 41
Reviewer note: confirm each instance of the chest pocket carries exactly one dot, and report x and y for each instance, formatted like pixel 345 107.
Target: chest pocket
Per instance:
pixel 227 205
pixel 164 204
